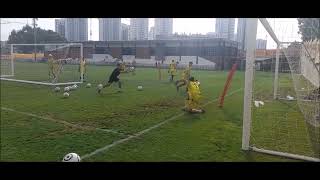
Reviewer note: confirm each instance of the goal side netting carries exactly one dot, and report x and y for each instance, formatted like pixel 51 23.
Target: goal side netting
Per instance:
pixel 281 103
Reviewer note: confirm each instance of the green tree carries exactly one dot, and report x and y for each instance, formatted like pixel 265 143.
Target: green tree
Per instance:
pixel 309 28
pixel 26 36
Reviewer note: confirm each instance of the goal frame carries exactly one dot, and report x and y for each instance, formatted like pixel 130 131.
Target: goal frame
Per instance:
pixel 7 77
pixel 251 34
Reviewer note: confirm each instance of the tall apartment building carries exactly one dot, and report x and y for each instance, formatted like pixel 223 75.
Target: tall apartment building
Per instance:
pixel 225 28
pixel 60 27
pixel 76 29
pixel 151 33
pixel 163 27
pixel 109 29
pixel 261 44
pixel 139 28
pixel 124 32
pixel 241 32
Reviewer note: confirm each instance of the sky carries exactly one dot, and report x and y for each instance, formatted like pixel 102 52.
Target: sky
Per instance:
pixel 285 28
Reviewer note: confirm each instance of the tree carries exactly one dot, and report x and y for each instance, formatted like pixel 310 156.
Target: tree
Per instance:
pixel 26 36
pixel 309 28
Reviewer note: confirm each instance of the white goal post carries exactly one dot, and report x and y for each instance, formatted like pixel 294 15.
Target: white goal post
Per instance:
pixel 251 35
pixel 62 52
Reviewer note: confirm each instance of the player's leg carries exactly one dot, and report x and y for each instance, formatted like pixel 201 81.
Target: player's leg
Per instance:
pixel 196 107
pixel 119 86
pixel 182 83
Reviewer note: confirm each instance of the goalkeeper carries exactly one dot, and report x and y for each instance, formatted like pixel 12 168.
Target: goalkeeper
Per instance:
pixel 193 97
pixel 185 77
pixel 172 70
pixel 114 77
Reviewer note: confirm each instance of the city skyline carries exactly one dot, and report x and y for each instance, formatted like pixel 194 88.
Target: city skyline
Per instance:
pixel 286 31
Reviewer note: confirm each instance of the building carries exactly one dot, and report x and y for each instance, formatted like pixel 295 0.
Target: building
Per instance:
pixel 124 32
pixel 76 29
pixel 261 44
pixel 139 28
pixel 60 27
pixel 211 49
pixel 225 28
pixel 163 27
pixel 151 33
pixel 109 29
pixel 241 32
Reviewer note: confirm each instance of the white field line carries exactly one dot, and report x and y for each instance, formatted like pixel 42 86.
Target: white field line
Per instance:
pixel 62 122
pixel 107 147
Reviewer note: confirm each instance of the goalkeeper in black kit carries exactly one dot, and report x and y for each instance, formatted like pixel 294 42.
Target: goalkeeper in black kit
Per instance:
pixel 114 78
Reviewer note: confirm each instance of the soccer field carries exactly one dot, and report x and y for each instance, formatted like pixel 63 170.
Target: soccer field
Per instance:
pixel 37 124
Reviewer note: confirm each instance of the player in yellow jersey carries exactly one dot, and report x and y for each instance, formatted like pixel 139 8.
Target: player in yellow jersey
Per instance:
pixel 82 68
pixel 51 67
pixel 184 77
pixel 193 97
pixel 123 66
pixel 172 70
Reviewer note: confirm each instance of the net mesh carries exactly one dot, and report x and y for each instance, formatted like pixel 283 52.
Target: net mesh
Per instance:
pixel 290 122
pixel 50 63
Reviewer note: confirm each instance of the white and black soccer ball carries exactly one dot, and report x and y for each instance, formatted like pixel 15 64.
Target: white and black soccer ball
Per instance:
pixel 74 86
pixel 100 86
pixel 57 89
pixel 71 157
pixel 140 88
pixel 66 95
pixel 88 85
pixel 67 89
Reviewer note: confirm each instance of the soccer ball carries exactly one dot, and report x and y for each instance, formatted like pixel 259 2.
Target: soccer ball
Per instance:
pixel 71 157
pixel 57 89
pixel 74 86
pixel 88 85
pixel 100 86
pixel 65 95
pixel 67 89
pixel 139 88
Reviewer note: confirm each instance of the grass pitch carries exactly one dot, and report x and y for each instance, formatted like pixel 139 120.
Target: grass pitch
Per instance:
pixel 37 124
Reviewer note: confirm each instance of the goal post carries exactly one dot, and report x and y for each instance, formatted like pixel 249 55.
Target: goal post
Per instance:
pixel 56 64
pixel 288 129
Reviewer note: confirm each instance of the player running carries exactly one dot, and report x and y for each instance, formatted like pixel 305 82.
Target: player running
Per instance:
pixel 184 77
pixel 193 97
pixel 114 77
pixel 172 70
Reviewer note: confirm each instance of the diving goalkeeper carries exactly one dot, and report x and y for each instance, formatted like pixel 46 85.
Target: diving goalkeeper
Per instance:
pixel 114 78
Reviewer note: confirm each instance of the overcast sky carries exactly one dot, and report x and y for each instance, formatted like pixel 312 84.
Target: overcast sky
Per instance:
pixel 285 28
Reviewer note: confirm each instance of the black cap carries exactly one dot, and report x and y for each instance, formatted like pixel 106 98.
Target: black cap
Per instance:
pixel 191 79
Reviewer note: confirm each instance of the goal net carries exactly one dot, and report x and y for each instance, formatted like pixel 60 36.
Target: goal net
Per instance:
pixel 45 64
pixel 281 105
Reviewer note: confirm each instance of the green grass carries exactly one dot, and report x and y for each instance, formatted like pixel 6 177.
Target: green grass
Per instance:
pixel 213 136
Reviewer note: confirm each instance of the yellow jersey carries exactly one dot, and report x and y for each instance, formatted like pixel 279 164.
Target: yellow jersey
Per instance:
pixel 172 68
pixel 82 66
pixel 186 73
pixel 194 90
pixel 50 62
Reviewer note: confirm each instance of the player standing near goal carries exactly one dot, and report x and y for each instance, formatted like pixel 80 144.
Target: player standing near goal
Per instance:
pixel 184 77
pixel 82 68
pixel 172 70
pixel 51 67
pixel 193 97
pixel 114 77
